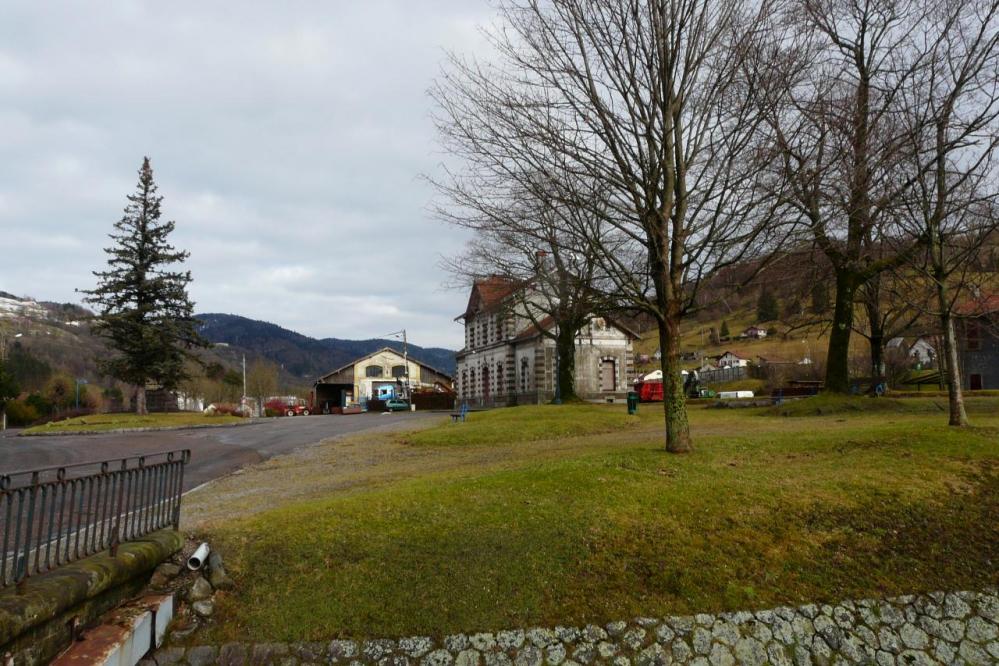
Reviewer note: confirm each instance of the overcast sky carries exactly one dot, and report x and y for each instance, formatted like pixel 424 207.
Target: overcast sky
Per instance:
pixel 286 137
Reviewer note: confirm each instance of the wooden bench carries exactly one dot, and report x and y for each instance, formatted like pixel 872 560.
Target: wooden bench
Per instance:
pixel 461 414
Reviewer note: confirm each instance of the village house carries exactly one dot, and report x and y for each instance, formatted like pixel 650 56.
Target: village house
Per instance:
pixel 507 360
pixel 754 333
pixel 920 351
pixel 386 372
pixel 978 343
pixel 731 360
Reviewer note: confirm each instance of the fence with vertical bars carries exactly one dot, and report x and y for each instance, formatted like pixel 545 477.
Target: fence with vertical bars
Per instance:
pixel 55 515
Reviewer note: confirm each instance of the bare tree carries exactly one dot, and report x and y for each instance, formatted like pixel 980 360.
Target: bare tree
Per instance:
pixel 649 98
pixel 953 134
pixel 262 380
pixel 835 118
pixel 520 235
pixel 886 316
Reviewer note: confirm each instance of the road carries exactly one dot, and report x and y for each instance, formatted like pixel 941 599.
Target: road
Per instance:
pixel 215 452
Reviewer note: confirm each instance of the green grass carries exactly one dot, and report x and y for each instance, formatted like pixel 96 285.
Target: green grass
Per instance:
pixel 105 422
pixel 757 386
pixel 830 403
pixel 767 511
pixel 525 424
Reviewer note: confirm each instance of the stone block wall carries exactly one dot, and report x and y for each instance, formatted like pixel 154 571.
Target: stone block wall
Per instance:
pixel 938 628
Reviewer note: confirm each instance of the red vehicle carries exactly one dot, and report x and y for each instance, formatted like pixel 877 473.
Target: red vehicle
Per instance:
pixel 649 390
pixel 650 387
pixel 288 406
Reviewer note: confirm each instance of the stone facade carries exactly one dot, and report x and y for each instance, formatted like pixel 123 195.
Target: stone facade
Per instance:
pixel 506 360
pixel 937 628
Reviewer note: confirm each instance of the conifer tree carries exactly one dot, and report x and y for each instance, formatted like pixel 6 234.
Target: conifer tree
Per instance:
pixel 9 389
pixel 143 307
pixel 724 332
pixel 767 308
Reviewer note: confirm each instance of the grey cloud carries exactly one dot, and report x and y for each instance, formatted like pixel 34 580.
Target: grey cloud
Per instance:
pixel 287 139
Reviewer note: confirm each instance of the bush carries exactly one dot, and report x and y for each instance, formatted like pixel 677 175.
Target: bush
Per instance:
pixel 278 406
pixel 20 413
pixel 225 409
pixel 39 403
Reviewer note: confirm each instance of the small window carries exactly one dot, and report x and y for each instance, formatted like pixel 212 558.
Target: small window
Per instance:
pixel 398 371
pixel 373 371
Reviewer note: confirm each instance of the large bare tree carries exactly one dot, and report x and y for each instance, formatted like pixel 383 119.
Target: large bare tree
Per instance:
pixel 953 131
pixel 649 98
pixel 836 124
pixel 520 233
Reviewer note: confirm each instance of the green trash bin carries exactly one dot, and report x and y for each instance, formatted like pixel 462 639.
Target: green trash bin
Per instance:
pixel 632 402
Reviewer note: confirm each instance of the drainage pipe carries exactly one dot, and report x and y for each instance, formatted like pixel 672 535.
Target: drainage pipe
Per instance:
pixel 198 557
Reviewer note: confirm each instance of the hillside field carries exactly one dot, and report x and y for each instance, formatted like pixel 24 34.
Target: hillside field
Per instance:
pixel 456 529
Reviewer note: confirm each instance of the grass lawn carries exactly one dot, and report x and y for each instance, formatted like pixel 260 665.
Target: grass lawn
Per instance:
pixel 104 422
pixel 525 425
pixel 605 525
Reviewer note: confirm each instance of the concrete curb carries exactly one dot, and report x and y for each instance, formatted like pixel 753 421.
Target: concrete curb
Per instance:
pixel 119 431
pixel 124 638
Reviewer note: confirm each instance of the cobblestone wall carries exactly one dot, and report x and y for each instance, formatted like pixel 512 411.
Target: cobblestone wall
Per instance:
pixel 954 628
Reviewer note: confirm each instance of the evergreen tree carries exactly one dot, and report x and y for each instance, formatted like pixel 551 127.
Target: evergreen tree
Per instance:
pixel 9 390
pixel 724 329
pixel 767 308
pixel 143 307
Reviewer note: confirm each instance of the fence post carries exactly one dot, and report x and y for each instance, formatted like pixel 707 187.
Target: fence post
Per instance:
pixel 116 530
pixel 21 569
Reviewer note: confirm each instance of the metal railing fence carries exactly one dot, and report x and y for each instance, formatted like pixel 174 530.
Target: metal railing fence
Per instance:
pixel 56 515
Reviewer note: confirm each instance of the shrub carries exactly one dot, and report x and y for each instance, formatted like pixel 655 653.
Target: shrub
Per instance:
pixel 20 413
pixel 39 403
pixel 226 409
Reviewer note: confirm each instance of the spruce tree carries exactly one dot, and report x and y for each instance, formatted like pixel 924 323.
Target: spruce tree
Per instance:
pixel 9 390
pixel 143 308
pixel 724 332
pixel 767 308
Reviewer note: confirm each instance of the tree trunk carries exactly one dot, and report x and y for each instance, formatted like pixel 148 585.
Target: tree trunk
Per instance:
pixel 838 358
pixel 942 363
pixel 566 345
pixel 955 396
pixel 674 400
pixel 872 304
pixel 140 400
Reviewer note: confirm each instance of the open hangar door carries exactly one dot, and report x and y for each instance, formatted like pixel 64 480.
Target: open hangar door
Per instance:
pixel 332 398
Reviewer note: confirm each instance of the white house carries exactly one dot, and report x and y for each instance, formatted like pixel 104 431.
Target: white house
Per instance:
pixel 754 333
pixel 732 360
pixel 920 351
pixel 507 360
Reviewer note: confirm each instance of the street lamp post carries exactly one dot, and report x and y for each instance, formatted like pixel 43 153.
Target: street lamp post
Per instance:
pixel 78 383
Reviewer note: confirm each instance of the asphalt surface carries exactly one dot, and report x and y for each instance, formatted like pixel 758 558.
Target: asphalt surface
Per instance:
pixel 215 452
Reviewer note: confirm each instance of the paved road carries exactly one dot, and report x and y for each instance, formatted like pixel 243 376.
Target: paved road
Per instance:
pixel 215 452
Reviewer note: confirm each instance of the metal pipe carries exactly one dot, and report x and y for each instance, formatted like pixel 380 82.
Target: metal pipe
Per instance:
pixel 198 557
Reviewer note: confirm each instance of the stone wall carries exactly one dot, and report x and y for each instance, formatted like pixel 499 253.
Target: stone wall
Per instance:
pixel 938 628
pixel 37 619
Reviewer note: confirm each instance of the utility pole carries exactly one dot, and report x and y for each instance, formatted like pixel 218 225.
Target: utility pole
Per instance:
pixel 405 361
pixel 244 382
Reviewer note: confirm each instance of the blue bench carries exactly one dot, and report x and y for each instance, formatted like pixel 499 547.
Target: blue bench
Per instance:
pixel 461 414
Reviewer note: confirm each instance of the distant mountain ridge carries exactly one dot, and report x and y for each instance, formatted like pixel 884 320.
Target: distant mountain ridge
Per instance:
pixel 303 356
